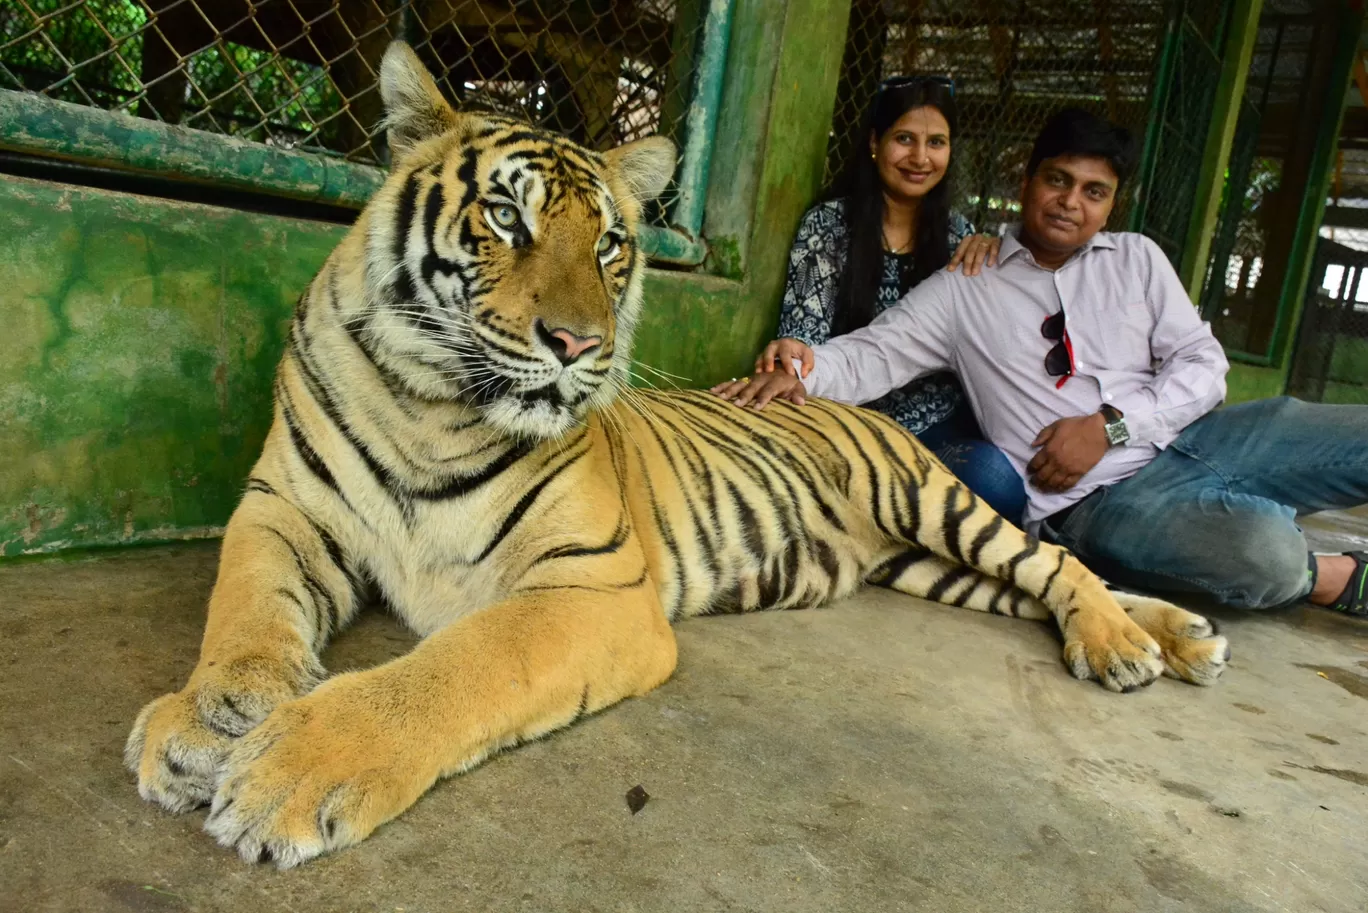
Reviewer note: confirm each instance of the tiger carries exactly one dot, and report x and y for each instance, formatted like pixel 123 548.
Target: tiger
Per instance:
pixel 456 435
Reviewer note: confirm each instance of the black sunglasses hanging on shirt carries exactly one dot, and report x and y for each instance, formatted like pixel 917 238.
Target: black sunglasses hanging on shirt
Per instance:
pixel 1059 361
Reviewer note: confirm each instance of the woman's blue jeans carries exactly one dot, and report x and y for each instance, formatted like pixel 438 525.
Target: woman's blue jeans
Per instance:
pixel 1215 513
pixel 959 444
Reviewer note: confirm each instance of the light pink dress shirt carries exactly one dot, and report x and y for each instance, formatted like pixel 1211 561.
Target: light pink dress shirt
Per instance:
pixel 1138 344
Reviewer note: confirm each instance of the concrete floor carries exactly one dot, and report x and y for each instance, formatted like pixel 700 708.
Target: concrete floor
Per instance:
pixel 879 755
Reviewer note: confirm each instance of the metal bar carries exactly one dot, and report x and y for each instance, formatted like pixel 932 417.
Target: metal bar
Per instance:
pixel 700 131
pixel 38 125
pixel 665 245
pixel 1225 112
pixel 1294 288
pixel 1149 152
pixel 56 129
pixel 1246 358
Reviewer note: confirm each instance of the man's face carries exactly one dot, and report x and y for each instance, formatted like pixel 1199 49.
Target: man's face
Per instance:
pixel 1067 201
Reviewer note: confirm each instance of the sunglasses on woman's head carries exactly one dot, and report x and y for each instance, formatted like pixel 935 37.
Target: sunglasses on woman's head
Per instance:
pixel 1059 360
pixel 902 82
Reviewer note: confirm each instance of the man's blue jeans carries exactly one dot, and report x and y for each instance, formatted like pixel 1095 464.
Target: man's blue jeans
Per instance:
pixel 1216 512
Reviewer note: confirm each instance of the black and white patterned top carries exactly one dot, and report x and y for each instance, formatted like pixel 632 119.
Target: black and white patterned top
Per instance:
pixel 809 306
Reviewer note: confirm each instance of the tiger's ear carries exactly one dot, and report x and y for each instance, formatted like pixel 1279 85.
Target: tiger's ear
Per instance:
pixel 414 107
pixel 645 165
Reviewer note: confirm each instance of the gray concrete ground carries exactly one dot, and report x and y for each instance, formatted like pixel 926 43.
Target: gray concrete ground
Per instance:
pixel 882 754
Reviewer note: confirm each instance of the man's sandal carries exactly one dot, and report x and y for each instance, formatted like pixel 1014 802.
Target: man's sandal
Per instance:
pixel 1354 599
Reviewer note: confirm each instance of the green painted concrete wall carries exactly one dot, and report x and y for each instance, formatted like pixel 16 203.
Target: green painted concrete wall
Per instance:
pixel 139 343
pixel 140 335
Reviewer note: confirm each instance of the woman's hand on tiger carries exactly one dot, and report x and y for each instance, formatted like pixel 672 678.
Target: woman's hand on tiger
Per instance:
pixel 781 353
pixel 758 392
pixel 975 252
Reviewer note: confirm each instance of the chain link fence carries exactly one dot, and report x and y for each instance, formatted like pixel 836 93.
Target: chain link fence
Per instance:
pixel 301 74
pixel 1014 63
pixel 1188 75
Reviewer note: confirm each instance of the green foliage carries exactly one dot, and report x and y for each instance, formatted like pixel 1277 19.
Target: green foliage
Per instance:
pixel 88 53
pixel 91 53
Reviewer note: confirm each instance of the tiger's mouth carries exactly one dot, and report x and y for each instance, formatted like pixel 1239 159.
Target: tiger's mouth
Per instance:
pixel 530 406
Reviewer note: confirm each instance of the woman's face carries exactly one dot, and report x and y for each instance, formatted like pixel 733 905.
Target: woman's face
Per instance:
pixel 913 154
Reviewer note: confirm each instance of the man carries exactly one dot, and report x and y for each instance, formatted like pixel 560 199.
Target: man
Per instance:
pixel 1087 365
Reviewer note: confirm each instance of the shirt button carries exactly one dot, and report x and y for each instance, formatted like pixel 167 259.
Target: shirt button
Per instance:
pixel 1107 398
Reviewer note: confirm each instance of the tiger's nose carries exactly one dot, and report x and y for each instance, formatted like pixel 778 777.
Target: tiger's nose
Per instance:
pixel 564 344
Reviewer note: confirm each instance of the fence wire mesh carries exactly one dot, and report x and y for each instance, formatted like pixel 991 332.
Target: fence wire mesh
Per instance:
pixel 302 74
pixel 1014 63
pixel 1188 77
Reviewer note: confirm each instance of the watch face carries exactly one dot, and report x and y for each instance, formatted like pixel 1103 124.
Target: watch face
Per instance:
pixel 1117 433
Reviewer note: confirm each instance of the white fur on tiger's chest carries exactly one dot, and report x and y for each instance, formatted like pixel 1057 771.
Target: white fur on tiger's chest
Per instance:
pixel 428 572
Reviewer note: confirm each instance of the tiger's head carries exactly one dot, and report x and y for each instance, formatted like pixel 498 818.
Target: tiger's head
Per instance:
pixel 502 265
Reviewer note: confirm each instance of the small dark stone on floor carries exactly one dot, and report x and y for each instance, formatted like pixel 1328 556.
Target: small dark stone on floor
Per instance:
pixel 637 798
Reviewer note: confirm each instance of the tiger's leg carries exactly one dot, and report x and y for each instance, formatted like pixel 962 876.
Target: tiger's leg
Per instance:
pixel 281 590
pixel 949 521
pixel 1191 648
pixel 325 770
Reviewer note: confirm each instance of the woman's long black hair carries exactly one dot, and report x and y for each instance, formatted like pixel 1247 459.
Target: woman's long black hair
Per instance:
pixel 862 191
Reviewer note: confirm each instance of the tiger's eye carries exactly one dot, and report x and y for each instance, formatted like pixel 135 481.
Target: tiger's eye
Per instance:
pixel 606 243
pixel 504 215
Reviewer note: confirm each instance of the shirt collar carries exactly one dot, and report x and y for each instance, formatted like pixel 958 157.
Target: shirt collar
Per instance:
pixel 1011 246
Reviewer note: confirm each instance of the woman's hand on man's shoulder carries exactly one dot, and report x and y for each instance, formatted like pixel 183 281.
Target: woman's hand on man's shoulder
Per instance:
pixel 780 355
pixel 975 252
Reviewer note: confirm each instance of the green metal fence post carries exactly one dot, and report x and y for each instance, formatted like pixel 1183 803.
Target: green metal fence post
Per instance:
pixel 1206 209
pixel 1312 209
pixel 701 126
pixel 1159 91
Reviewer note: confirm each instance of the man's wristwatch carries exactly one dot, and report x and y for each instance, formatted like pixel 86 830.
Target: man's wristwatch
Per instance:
pixel 1117 432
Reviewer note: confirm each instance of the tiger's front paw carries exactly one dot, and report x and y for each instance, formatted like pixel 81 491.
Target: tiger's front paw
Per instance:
pixel 1192 648
pixel 179 740
pixel 319 774
pixel 1112 649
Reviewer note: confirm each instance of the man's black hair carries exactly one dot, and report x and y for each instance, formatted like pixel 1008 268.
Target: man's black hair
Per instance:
pixel 1078 132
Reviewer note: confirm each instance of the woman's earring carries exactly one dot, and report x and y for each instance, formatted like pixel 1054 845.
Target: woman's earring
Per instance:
pixel 873 156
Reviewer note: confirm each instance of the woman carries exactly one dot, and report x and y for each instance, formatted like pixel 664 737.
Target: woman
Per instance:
pixel 886 227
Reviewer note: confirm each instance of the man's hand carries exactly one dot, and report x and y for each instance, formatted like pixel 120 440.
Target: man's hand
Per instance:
pixel 1068 449
pixel 757 391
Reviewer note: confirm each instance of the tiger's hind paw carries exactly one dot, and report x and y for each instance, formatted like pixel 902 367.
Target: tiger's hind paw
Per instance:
pixel 1192 649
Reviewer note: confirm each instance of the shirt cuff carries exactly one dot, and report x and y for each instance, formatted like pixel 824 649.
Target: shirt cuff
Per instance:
pixel 812 381
pixel 1146 429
